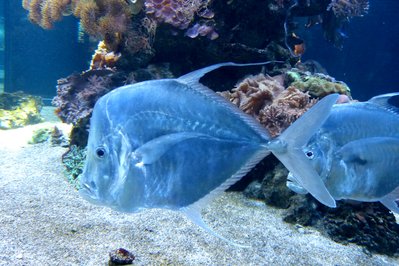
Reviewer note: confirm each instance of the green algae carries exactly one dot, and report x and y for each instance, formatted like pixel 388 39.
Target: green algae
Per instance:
pixel 19 109
pixel 317 85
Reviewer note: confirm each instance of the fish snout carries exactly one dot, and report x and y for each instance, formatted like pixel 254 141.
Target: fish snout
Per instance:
pixel 88 192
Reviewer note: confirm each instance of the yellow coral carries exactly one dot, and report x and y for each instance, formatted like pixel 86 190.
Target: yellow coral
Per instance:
pixel 103 58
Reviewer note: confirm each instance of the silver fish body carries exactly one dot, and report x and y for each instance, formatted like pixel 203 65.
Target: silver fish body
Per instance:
pixel 175 144
pixel 161 155
pixel 356 151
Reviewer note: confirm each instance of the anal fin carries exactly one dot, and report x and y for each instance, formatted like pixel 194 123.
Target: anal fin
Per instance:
pixel 194 214
pixel 390 200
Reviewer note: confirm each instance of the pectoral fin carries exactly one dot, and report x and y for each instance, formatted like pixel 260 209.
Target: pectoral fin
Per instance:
pixel 152 150
pixel 374 161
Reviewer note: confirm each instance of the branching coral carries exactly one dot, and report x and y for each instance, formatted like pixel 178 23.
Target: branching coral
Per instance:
pixel 349 8
pixel 77 94
pixel 46 12
pixel 106 19
pixel 99 18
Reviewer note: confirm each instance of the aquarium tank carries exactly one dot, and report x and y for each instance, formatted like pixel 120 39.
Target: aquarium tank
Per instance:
pixel 199 132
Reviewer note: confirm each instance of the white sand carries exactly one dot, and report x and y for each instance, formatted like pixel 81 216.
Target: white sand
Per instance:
pixel 43 221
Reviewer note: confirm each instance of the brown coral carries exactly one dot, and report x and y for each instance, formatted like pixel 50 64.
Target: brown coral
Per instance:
pixel 46 12
pixel 106 19
pixel 287 107
pixel 99 18
pixel 265 98
pixel 254 92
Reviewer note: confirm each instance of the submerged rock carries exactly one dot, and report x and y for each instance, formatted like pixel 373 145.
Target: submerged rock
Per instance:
pixel 121 256
pixel 19 109
pixel 369 225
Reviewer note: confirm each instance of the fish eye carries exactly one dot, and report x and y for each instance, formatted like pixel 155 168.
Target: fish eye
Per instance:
pixel 309 154
pixel 100 152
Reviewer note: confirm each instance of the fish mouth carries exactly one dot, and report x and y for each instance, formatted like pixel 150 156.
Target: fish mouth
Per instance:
pixel 88 194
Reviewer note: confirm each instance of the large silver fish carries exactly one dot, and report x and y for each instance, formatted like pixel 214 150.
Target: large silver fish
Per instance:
pixel 175 144
pixel 356 152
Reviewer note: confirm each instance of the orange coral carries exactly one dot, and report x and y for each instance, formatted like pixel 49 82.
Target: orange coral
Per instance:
pixel 46 12
pixel 101 17
pixel 103 58
pixel 98 17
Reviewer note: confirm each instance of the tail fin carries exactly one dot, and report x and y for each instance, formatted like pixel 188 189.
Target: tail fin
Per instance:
pixel 293 158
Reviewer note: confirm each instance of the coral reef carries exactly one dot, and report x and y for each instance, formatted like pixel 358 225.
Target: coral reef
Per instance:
pixel 77 94
pixel 349 8
pixel 178 13
pixel 105 19
pixel 103 58
pixel 19 109
pixel 46 12
pixel 269 102
pixel 370 225
pixel 317 84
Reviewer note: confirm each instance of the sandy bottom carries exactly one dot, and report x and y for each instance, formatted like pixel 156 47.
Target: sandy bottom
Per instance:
pixel 43 221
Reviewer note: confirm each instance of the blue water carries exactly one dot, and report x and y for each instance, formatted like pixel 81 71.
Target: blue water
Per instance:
pixel 36 58
pixel 367 62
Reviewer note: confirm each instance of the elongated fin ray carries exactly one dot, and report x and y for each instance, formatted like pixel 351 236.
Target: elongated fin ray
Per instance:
pixel 390 200
pixel 194 76
pixel 195 216
pixel 192 80
pixel 193 211
pixel 389 101
pixel 293 158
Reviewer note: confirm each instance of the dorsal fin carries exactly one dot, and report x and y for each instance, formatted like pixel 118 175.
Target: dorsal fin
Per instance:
pixel 193 77
pixel 192 81
pixel 389 101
